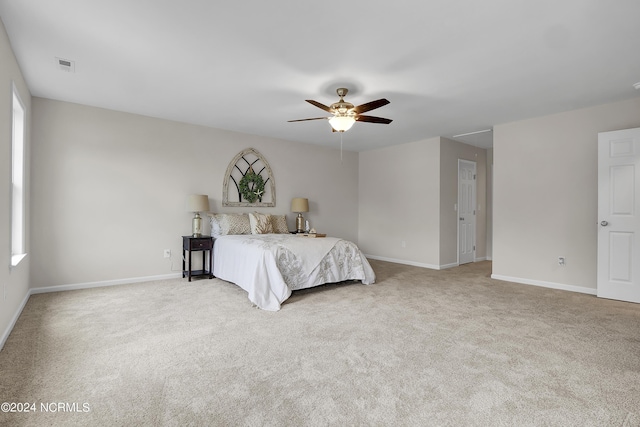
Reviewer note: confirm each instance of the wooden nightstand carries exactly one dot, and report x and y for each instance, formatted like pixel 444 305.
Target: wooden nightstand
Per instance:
pixel 192 244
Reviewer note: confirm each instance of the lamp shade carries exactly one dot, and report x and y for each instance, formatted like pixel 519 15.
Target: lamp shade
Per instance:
pixel 198 203
pixel 299 204
pixel 341 123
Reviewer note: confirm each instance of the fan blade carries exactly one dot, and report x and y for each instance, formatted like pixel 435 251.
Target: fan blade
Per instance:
pixel 304 120
pixel 371 105
pixel 371 119
pixel 319 105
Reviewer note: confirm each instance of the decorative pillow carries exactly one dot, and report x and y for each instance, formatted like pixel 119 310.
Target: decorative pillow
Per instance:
pixel 260 223
pixel 279 224
pixel 223 224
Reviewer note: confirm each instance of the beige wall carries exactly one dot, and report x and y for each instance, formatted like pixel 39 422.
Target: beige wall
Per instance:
pixel 14 282
pixel 545 194
pixel 450 153
pixel 408 193
pixel 489 247
pixel 110 189
pixel 399 193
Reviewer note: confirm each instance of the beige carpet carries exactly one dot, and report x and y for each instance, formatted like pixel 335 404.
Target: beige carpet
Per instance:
pixel 419 347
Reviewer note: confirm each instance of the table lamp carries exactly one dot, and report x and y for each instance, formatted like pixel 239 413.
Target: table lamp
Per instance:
pixel 299 205
pixel 197 203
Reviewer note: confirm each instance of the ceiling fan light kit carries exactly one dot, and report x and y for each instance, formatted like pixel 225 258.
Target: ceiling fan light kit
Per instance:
pixel 341 123
pixel 345 114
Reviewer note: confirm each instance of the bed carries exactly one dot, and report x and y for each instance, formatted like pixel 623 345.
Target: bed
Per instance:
pixel 269 264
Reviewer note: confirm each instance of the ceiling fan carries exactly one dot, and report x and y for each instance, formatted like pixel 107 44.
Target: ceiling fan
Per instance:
pixel 345 114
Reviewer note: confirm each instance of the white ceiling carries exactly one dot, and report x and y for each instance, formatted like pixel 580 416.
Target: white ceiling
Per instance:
pixel 448 66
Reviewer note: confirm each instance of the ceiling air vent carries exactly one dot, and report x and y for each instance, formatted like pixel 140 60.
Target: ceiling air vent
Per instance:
pixel 66 65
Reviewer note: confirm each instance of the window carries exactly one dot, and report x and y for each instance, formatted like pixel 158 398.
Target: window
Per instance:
pixel 18 232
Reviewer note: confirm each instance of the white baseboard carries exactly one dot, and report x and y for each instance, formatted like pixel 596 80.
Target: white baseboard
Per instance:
pixel 413 263
pixel 541 283
pixel 484 258
pixel 74 287
pixel 11 324
pixel 101 284
pixel 445 266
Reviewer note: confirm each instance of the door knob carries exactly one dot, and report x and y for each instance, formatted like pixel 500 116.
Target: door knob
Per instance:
pixel 604 223
pixel 461 219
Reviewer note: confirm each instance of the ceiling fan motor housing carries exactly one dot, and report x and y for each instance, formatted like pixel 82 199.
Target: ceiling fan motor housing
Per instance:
pixel 342 107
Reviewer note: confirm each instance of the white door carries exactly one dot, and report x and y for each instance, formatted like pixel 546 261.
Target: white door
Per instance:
pixel 619 215
pixel 466 211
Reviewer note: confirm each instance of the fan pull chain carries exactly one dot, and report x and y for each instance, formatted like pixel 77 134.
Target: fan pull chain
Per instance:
pixel 341 147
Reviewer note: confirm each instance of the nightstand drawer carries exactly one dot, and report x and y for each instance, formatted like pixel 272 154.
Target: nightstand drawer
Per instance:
pixel 198 244
pixel 201 244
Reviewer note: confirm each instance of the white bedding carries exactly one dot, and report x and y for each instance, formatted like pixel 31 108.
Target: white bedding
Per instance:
pixel 270 266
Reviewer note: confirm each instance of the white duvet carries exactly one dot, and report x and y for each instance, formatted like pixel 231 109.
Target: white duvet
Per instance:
pixel 270 266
